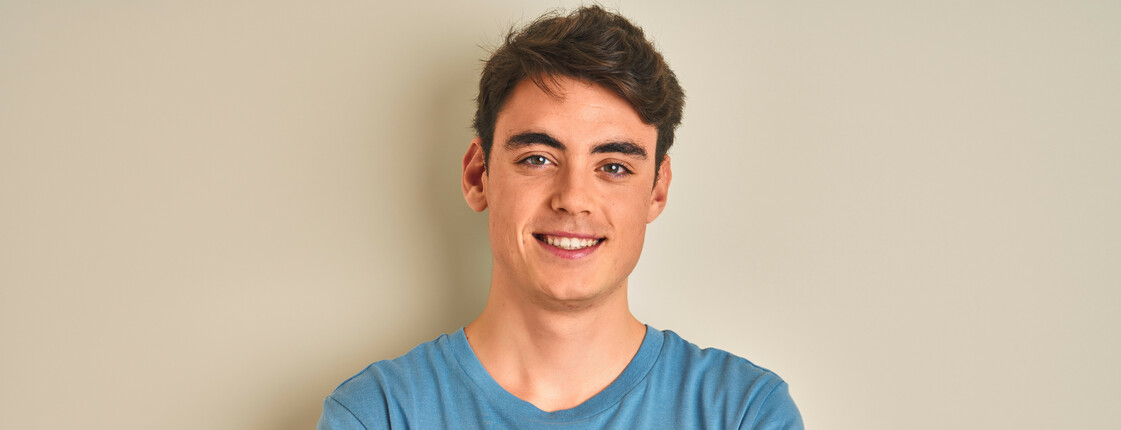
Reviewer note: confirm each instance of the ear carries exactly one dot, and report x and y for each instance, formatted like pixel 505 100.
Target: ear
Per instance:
pixel 661 191
pixel 475 176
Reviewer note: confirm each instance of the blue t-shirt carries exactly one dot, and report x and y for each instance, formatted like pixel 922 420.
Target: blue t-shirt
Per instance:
pixel 669 384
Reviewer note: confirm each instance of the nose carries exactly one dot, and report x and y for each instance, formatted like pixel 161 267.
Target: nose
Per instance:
pixel 572 193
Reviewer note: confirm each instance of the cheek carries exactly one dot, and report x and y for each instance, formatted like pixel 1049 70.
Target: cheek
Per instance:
pixel 628 214
pixel 509 215
pixel 629 205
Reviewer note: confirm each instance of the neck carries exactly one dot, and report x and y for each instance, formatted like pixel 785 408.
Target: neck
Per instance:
pixel 555 356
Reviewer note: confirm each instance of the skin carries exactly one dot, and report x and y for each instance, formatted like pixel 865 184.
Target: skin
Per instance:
pixel 557 328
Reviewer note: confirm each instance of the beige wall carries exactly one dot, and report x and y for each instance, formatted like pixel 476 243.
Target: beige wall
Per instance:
pixel 211 213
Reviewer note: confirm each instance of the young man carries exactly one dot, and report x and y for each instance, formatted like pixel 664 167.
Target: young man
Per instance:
pixel 575 115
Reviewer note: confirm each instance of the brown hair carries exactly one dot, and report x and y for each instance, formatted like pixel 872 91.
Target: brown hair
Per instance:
pixel 590 44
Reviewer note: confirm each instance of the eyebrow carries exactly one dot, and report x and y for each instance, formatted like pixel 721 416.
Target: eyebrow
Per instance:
pixel 625 148
pixel 522 140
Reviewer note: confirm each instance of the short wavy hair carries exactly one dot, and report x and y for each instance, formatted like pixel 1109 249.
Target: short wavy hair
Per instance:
pixel 590 44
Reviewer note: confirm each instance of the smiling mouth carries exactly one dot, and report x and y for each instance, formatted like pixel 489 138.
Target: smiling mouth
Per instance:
pixel 568 243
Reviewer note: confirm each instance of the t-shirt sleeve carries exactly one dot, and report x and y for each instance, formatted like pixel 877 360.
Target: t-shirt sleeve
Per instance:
pixel 777 412
pixel 336 416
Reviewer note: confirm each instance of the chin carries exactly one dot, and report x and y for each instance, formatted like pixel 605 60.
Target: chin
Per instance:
pixel 575 296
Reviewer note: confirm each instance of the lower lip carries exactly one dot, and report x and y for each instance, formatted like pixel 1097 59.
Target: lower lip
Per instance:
pixel 571 254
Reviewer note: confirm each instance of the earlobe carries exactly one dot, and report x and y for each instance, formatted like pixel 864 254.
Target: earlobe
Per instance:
pixel 660 192
pixel 474 176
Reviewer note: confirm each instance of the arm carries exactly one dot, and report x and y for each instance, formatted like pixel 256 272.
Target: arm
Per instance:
pixel 778 412
pixel 336 416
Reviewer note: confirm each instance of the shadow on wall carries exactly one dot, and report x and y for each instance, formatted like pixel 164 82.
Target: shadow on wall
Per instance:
pixel 456 253
pixel 463 243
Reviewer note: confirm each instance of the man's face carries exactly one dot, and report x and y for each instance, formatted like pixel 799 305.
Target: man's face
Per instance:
pixel 570 188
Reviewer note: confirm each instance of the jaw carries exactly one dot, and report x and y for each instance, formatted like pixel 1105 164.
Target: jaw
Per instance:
pixel 574 284
pixel 557 265
pixel 577 294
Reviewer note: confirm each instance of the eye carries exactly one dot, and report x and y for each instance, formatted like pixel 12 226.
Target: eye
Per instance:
pixel 536 160
pixel 615 169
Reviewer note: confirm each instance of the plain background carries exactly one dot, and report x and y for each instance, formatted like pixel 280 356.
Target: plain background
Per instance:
pixel 213 212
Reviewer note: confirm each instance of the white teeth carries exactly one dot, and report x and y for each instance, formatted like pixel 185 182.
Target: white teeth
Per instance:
pixel 570 243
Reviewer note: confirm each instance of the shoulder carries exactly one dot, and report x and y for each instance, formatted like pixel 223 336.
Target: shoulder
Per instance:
pixel 713 363
pixel 387 375
pixel 760 397
pixel 373 396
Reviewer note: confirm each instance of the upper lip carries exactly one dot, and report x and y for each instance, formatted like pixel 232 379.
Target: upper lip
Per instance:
pixel 569 234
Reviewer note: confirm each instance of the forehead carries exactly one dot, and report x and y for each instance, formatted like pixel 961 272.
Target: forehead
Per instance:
pixel 576 112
